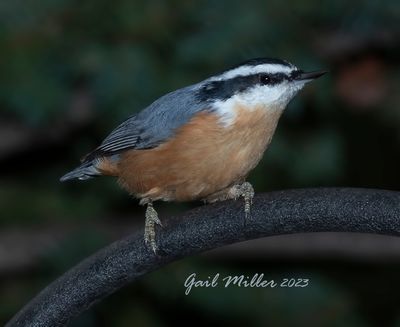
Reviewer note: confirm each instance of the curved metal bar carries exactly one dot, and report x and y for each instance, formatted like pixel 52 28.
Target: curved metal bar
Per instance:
pixel 205 228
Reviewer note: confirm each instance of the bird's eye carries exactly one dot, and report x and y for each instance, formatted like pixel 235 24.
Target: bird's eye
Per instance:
pixel 264 79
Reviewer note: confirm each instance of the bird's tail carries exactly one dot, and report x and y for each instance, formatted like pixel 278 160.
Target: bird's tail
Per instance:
pixel 85 171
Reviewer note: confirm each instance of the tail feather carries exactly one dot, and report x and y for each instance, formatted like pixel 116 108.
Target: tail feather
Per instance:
pixel 85 171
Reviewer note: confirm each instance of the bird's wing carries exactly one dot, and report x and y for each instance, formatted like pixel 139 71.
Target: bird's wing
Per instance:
pixel 126 135
pixel 153 125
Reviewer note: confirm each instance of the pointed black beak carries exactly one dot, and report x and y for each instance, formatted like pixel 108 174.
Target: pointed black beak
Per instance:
pixel 309 76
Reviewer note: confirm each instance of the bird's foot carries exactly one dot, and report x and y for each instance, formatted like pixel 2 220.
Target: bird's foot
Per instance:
pixel 246 190
pixel 149 227
pixel 236 191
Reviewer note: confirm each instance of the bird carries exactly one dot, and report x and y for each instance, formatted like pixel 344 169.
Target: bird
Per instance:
pixel 199 142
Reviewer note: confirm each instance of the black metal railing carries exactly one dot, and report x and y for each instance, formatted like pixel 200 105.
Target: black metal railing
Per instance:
pixel 205 228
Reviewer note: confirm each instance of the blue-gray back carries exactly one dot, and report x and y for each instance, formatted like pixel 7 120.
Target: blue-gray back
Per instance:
pixel 153 125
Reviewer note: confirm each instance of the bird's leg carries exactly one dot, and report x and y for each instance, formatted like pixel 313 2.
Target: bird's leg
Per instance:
pixel 149 226
pixel 236 191
pixel 247 192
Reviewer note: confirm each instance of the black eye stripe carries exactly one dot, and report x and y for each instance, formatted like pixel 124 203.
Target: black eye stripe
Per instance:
pixel 272 79
pixel 222 90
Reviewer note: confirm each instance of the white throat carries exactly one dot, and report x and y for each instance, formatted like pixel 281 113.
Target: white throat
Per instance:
pixel 274 98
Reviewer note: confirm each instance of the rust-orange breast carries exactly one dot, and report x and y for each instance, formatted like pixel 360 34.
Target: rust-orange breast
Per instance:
pixel 203 157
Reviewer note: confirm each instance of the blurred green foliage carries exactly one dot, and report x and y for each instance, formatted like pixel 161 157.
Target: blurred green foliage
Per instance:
pixel 122 55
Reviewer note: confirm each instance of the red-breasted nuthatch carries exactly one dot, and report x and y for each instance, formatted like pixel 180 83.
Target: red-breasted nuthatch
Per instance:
pixel 198 142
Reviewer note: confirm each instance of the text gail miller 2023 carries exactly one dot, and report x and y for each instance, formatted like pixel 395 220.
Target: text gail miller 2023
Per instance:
pixel 255 281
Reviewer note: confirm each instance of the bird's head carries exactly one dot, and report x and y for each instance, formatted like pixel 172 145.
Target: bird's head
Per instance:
pixel 270 83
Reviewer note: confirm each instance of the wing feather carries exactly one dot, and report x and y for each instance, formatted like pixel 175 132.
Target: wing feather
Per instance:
pixel 153 125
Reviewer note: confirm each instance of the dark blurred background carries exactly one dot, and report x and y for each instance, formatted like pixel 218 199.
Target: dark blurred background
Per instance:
pixel 71 70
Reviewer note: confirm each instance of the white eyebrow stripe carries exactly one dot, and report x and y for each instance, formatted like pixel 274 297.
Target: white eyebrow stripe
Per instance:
pixel 250 70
